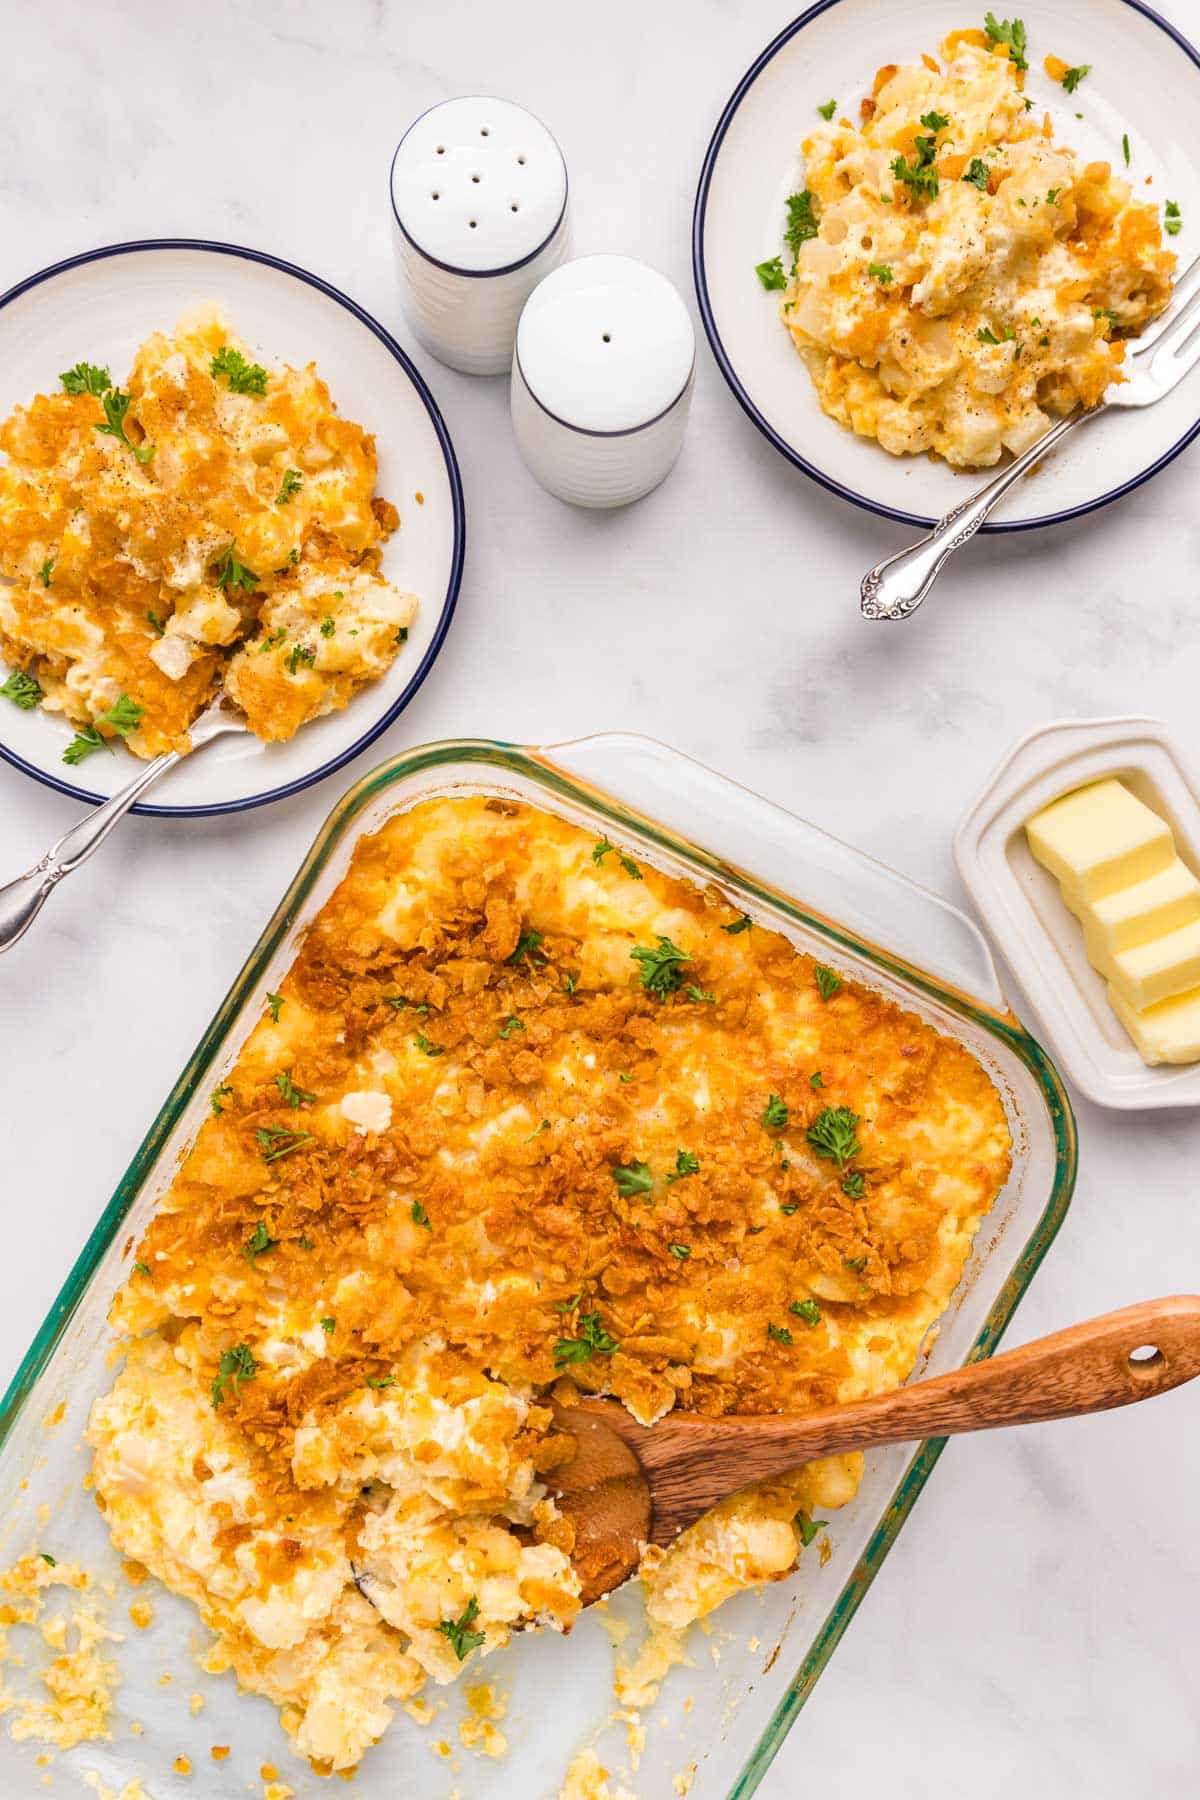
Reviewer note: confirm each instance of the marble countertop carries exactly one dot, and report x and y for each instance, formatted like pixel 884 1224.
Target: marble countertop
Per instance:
pixel 1035 1629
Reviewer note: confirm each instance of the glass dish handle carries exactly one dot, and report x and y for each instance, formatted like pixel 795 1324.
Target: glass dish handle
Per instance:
pixel 824 875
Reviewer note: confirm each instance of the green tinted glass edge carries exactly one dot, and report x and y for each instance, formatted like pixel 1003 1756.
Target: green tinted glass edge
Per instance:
pixel 510 757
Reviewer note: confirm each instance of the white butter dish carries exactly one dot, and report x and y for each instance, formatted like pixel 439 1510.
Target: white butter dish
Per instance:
pixel 1024 910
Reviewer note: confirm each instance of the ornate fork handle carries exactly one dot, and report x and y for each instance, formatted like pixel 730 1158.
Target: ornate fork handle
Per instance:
pixel 895 588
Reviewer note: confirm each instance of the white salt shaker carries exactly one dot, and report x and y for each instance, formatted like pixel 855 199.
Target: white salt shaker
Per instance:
pixel 479 216
pixel 602 380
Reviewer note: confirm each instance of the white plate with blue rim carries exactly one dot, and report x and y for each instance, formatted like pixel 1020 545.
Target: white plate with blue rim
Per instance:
pixel 99 307
pixel 1143 84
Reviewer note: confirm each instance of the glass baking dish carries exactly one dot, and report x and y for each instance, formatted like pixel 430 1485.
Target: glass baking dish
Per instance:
pixel 754 1661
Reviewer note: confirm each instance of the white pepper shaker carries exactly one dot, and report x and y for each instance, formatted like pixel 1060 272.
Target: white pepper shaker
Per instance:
pixel 479 216
pixel 602 380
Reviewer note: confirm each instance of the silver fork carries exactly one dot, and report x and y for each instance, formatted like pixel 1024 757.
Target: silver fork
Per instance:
pixel 1155 363
pixel 23 899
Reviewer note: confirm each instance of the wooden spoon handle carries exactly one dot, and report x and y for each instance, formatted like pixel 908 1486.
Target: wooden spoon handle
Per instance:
pixel 1111 1361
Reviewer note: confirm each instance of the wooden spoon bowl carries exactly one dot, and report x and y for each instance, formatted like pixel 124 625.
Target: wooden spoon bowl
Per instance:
pixel 629 1485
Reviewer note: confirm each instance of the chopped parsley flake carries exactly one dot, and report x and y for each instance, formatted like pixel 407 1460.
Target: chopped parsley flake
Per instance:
pixel 771 274
pixel 779 1333
pixel 300 654
pixel 593 1340
pixel 327 626
pixel 140 1268
pixel 423 1044
pixel 86 742
pixel 22 689
pixel 1172 218
pixel 218 1096
pixel 258 1243
pixel 745 923
pixel 852 1186
pixel 291 484
pixel 682 1251
pixel 816 1079
pixel 328 1325
pixel 976 172
pixel 686 1163
pixel 276 1140
pixel 294 1096
pixel 827 111
pixel 808 1310
pixel 1011 34
pixel 600 850
pixel 116 405
pixel 1125 147
pixel 775 1114
pixel 529 945
pixel 462 1639
pixel 801 221
pixel 661 968
pixel 832 1135
pixel 633 1178
pixel 880 272
pixel 243 377
pixel 274 1002
pixel 46 571
pixel 420 1216
pixel 47 1558
pixel 232 574
pixel 236 1365
pixel 808 1527
pixel 828 982
pixel 1073 77
pixel 699 994
pixel 511 1024
pixel 86 378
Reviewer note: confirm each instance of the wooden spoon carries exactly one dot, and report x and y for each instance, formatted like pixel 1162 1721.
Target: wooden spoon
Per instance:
pixel 628 1485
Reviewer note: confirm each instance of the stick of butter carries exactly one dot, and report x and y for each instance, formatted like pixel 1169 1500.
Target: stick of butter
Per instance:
pixel 1167 966
pixel 1166 1033
pixel 1136 914
pixel 1099 839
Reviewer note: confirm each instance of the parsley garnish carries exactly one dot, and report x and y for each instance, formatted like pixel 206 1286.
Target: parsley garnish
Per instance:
pixel 808 1310
pixel 291 484
pixel 801 221
pixel 46 571
pixel 569 1304
pixel 593 1340
pixel 116 405
pixel 420 1216
pixel 300 653
pixel 232 574
pixel 243 377
pixel 881 273
pixel 423 1043
pixel 1125 147
pixel 831 1135
pixel 662 968
pixel 153 619
pixel 976 172
pixel 816 1079
pixel 775 1114
pixel 276 1140
pixel 682 1251
pixel 86 378
pixel 808 1527
pixel 1073 77
pixel 327 625
pixel 633 1178
pixel 857 1263
pixel 686 1163
pixel 1172 218
pixel 852 1186
pixel 529 945
pixel 274 1002
pixel 462 1639
pixel 22 689
pixel 236 1365
pixel 1106 312
pixel 86 741
pixel 140 1268
pixel 218 1095
pixel 698 993
pixel 780 1333
pixel 986 336
pixel 828 982
pixel 293 1096
pixel 272 639
pixel 511 1024
pixel 771 274
pixel 258 1243
pixel 827 111
pixel 1011 34
pixel 745 923
pixel 381 1381
pixel 935 121
pixel 538 1130
pixel 921 177
pixel 601 849
pixel 1052 196
pixel 124 715
pixel 306 1243
pixel 327 1325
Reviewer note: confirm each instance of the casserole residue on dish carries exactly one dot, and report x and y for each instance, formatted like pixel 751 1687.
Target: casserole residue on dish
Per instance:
pixel 959 279
pixel 213 519
pixel 526 1117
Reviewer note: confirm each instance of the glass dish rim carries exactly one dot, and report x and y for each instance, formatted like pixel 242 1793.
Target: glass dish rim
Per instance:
pixel 538 764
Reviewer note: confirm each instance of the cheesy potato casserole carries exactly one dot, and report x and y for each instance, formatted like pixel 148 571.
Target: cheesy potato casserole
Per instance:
pixel 214 519
pixel 526 1119
pixel 957 278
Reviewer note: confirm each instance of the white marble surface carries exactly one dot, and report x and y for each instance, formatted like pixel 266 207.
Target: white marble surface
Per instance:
pixel 1035 1630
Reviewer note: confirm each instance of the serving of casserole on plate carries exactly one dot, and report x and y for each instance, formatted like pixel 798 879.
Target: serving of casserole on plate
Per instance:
pixel 975 212
pixel 216 468
pixel 518 1091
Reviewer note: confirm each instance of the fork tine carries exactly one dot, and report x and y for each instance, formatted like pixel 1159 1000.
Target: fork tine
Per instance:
pixel 1182 295
pixel 1181 357
pixel 1175 335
